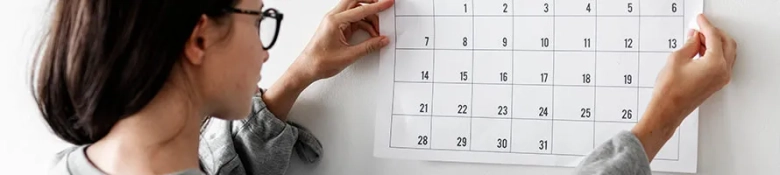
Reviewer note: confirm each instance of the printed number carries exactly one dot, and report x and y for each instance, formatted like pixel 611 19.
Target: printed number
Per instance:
pixel 544 77
pixel 503 110
pixel 672 43
pixel 462 109
pixel 674 7
pixel 425 75
pixel 585 113
pixel 588 8
pixel 422 140
pixel 464 76
pixel 545 42
pixel 587 42
pixel 506 8
pixel 630 7
pixel 426 40
pixel 542 144
pixel 542 111
pixel 546 7
pixel 461 141
pixel 465 41
pixel 506 41
pixel 502 143
pixel 627 114
pixel 504 76
pixel 586 78
pixel 629 43
pixel 627 79
pixel 465 8
pixel 423 108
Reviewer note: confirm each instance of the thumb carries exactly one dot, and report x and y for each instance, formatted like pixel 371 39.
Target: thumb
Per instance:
pixel 690 49
pixel 368 46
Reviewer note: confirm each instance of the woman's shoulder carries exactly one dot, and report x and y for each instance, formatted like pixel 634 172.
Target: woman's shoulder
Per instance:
pixel 73 160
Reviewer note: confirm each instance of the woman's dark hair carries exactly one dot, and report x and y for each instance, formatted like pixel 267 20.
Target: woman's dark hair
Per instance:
pixel 104 60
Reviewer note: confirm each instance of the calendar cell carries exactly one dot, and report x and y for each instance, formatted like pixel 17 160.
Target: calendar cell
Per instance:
pixel 491 134
pixel 452 100
pixel 532 136
pixel 576 139
pixel 453 66
pixel 533 68
pixel 645 95
pixel 582 39
pixel 616 104
pixel 414 32
pixel 617 68
pixel 454 7
pixel 454 32
pixel 413 7
pixel 663 7
pixel 411 131
pixel 575 68
pixel 651 66
pixel 618 8
pixel 533 102
pixel 493 67
pixel 608 130
pixel 414 65
pixel 452 133
pixel 575 7
pixel 618 33
pixel 493 33
pixel 493 7
pixel 534 7
pixel 534 33
pixel 574 103
pixel 412 98
pixel 661 33
pixel 492 100
pixel 671 148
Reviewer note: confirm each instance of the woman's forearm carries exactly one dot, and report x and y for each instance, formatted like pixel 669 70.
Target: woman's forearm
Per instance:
pixel 283 94
pixel 658 125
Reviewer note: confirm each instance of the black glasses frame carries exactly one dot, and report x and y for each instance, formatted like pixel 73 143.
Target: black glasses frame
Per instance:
pixel 269 13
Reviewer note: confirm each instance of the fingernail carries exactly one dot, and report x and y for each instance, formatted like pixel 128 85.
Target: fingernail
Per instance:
pixel 384 40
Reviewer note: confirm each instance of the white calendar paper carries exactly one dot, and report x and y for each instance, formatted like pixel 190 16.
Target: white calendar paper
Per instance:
pixel 526 82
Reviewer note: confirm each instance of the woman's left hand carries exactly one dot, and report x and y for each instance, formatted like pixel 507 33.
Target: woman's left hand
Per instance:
pixel 329 51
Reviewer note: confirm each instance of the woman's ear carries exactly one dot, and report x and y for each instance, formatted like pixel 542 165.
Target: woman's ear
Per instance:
pixel 195 48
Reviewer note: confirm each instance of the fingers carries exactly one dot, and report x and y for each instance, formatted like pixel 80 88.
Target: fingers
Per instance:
pixel 374 20
pixel 729 48
pixel 363 25
pixel 363 11
pixel 712 37
pixel 368 46
pixel 690 49
pixel 344 5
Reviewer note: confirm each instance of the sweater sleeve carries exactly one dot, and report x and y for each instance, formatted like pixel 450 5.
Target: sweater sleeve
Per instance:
pixel 622 154
pixel 260 144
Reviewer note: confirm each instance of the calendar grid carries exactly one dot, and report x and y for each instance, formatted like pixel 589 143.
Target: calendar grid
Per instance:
pixel 512 100
pixel 561 52
pixel 552 98
pixel 538 16
pixel 595 67
pixel 471 103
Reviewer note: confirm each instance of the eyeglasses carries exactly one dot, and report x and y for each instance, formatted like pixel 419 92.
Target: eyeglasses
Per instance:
pixel 267 26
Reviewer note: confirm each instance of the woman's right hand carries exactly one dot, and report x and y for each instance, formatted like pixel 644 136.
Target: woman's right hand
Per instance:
pixel 685 83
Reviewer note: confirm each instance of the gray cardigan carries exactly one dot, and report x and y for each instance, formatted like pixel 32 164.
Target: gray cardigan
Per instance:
pixel 263 145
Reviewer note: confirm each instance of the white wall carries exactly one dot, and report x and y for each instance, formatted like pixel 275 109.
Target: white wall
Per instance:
pixel 739 126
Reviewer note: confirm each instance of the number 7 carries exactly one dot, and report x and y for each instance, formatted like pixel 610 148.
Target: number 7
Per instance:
pixel 426 40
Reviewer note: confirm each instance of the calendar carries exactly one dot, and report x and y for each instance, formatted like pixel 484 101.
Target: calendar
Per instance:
pixel 525 82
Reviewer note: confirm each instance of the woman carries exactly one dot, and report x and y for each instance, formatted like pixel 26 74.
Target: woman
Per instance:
pixel 130 82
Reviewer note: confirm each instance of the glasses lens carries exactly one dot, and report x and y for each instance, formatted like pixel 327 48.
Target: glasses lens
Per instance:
pixel 268 31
